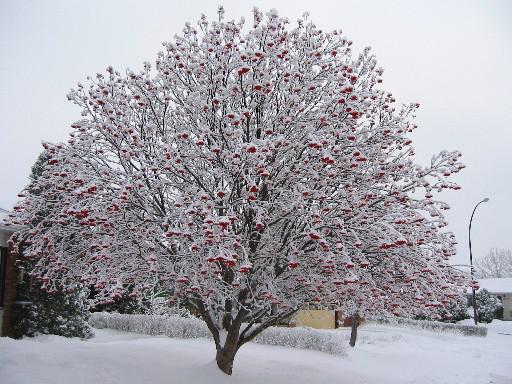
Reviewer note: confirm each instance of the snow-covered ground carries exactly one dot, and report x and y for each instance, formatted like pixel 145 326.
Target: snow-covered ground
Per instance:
pixel 383 355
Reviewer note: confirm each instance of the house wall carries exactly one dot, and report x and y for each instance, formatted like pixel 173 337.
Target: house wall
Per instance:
pixel 4 237
pixel 2 284
pixel 9 294
pixel 9 282
pixel 506 300
pixel 314 318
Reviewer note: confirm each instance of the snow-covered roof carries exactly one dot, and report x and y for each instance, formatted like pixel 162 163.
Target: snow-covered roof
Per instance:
pixel 3 216
pixel 497 285
pixel 3 226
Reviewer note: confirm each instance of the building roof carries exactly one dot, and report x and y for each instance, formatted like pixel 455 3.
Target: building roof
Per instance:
pixel 497 285
pixel 3 214
pixel 5 227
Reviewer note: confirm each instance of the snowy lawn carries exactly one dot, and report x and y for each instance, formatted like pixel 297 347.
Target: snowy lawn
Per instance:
pixel 383 355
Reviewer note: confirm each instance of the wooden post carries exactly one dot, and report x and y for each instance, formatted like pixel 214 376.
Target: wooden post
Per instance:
pixel 353 332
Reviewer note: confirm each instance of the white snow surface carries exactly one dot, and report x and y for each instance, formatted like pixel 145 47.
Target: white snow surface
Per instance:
pixel 383 354
pixel 495 285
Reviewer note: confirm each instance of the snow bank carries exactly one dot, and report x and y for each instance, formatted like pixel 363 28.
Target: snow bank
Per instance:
pixel 467 330
pixel 383 355
pixel 191 328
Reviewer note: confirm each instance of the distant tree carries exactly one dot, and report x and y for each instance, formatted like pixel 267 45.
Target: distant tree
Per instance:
pixel 497 263
pixel 488 306
pixel 250 174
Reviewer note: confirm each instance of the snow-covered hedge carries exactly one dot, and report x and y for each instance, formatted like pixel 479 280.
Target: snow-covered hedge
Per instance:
pixel 174 326
pixel 467 330
pixel 305 338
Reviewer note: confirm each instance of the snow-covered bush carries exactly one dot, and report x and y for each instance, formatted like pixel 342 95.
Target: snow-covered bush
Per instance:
pixel 172 326
pixel 57 313
pixel 191 328
pixel 306 338
pixel 457 310
pixel 488 306
pixel 468 330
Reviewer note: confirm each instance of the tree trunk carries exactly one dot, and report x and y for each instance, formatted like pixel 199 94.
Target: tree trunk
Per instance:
pixel 227 349
pixel 225 358
pixel 226 353
pixel 353 333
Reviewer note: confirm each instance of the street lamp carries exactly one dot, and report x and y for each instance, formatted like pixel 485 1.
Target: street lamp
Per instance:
pixel 475 314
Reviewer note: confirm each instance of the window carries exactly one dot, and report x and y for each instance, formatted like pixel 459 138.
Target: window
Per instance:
pixel 3 260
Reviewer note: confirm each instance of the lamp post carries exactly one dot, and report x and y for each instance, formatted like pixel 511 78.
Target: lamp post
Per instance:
pixel 475 313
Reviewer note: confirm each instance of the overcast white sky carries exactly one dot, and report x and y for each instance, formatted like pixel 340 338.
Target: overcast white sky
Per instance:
pixel 454 57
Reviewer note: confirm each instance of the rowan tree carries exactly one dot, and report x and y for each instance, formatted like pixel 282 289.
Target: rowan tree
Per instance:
pixel 36 311
pixel 248 174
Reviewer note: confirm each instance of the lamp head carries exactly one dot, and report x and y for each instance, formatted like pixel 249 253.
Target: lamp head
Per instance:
pixel 485 200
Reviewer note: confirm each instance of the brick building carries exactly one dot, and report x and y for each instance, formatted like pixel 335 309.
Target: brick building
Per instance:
pixel 7 276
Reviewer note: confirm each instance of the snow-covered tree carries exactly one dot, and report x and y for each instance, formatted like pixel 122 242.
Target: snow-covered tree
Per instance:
pixel 457 310
pixel 497 263
pixel 57 313
pixel 487 305
pixel 248 174
pixel 60 312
